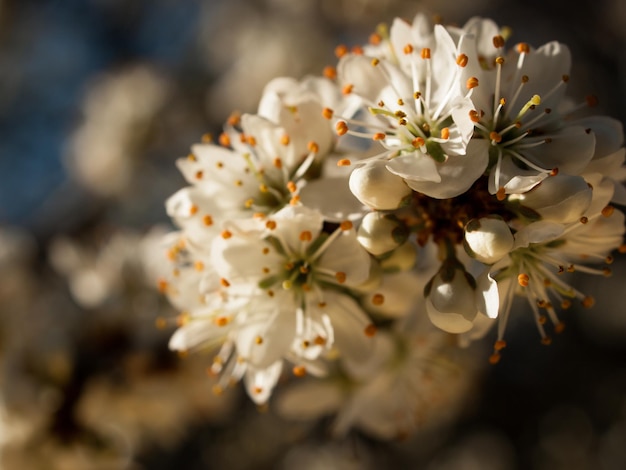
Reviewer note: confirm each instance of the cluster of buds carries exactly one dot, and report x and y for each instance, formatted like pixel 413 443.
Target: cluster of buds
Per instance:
pixel 434 173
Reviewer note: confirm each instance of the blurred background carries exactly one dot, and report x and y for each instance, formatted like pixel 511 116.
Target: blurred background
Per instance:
pixel 97 100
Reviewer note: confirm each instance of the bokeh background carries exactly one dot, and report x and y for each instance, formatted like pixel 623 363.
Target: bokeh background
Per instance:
pixel 97 100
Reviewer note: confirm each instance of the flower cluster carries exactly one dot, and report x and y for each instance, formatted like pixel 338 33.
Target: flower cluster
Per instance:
pixel 435 173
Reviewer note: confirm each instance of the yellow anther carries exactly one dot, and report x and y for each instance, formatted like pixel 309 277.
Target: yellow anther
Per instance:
pixel 523 280
pixel 462 60
pixel 347 89
pixel 344 162
pixel 498 41
pixel 284 139
pixel 499 60
pixel 198 265
pixel 559 327
pixel 192 158
pixel 327 113
pixel 375 62
pixel 588 302
pixel 494 358
pixel 160 323
pixel 379 136
pixel 370 330
pixel 270 225
pixel 341 50
pixel 278 163
pixel 378 299
pixel 418 142
pixel 495 137
pixel 193 210
pixel 472 82
pixel 340 277
pixel 299 371
pixel 226 234
pixel 501 194
pixel 258 340
pixel 224 140
pixel 407 49
pixel 523 48
pixel 357 50
pixel 474 116
pixel 341 127
pixel 224 282
pixel 425 53
pixel 499 345
pixel 206 138
pixel 584 220
pixel 546 340
pixel 607 211
pixel 221 321
pixel 330 72
pixel 375 39
pixel 445 133
pixel 346 225
pixel 313 147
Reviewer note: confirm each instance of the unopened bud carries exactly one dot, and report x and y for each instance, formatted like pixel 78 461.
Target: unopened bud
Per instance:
pixel 376 187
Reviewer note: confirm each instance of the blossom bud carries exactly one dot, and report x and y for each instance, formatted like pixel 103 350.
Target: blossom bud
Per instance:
pixel 561 198
pixel 377 187
pixel 488 239
pixel 380 234
pixel 451 299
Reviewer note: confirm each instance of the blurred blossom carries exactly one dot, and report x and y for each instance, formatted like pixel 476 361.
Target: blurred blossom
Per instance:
pixel 118 115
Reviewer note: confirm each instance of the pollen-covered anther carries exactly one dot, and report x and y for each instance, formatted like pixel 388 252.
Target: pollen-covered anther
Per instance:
pixel 546 340
pixel 160 323
pixel 217 390
pixel 495 137
pixel 198 265
pixel 501 194
pixel 609 259
pixel 313 147
pixel 607 272
pixel 278 163
pixel 425 53
pixel 221 321
pixel 559 327
pixel 347 89
pixel 295 200
pixel 472 82
pixel 499 345
pixel 498 41
pixel 224 140
pixel 542 319
pixel 193 210
pixel 224 282
pixel 375 62
pixel 344 162
pixel 418 142
pixel 462 60
pixel 357 50
pixel 270 224
pixel 319 340
pixel 588 302
pixel 378 299
pixel 340 276
pixel 330 72
pixel 291 187
pixel 258 390
pixel 407 49
pixel 346 225
pixel 445 133
pixel 192 158
pixel 375 39
pixel 299 371
pixel 226 234
pixel 263 188
pixel 379 136
pixel 554 171
pixel 341 127
pixel 327 113
pixel 258 340
pixel 592 101
pixel 584 220
pixel 370 330
pixel 207 138
pixel 523 48
pixel 499 60
pixel 523 279
pixel 474 116
pixel 607 211
pixel 566 303
pixel 495 358
pixel 341 50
